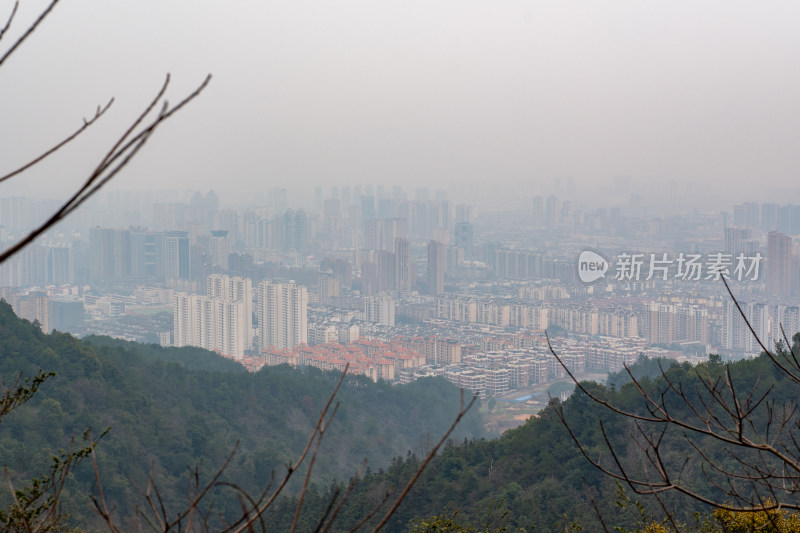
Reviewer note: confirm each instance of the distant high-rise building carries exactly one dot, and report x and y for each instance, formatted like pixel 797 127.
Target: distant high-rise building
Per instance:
pixel 219 247
pixel 373 236
pixel 278 201
pixel 367 207
pixel 779 264
pixel 465 213
pixel 66 313
pixel 370 282
pixel 746 215
pixel 282 315
pixel 176 255
pixel 138 254
pixel 739 240
pixel 788 219
pixel 464 237
pixel 387 270
pixel 332 207
pixel 552 216
pixel 769 217
pixel 235 289
pixel 392 229
pixel 210 323
pixel 329 289
pixel 110 251
pixel 403 269
pixel 59 267
pixel 437 262
pixel 380 309
pixel 386 208
pixel 296 236
pixel 39 265
pixel 342 269
pixel 736 334
pixel 32 306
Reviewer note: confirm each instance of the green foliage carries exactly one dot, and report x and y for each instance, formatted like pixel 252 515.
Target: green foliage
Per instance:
pixel 767 521
pixel 644 367
pixel 717 521
pixel 539 471
pixel 172 409
pixel 22 391
pixel 34 504
pixel 492 519
pixel 646 521
pixel 33 507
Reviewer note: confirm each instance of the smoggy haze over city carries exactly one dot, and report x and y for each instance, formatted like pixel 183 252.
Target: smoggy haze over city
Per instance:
pixel 512 94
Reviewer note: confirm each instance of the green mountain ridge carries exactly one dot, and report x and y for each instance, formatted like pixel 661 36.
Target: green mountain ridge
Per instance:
pixel 172 409
pixel 535 473
pixel 176 408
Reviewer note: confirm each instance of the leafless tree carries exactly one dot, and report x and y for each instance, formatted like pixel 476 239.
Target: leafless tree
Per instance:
pixel 39 512
pixel 743 441
pixel 123 149
pixel 35 505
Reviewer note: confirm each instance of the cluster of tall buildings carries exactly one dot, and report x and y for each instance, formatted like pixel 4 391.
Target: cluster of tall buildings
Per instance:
pixel 766 217
pixel 119 254
pixel 39 265
pixel 382 270
pixel 222 319
pixel 782 267
pixel 766 321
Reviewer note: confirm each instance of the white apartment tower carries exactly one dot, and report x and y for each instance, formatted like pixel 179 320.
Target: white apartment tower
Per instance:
pixel 235 289
pixel 737 336
pixel 282 315
pixel 380 309
pixel 210 323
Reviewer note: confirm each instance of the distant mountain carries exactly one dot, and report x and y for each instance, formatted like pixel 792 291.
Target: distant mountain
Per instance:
pixel 174 408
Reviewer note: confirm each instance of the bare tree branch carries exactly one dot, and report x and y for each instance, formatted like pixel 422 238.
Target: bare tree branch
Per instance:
pixel 41 157
pixel 758 466
pixel 28 32
pixel 10 20
pixel 121 153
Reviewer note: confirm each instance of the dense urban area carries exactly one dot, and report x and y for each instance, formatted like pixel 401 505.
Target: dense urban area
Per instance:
pixel 403 284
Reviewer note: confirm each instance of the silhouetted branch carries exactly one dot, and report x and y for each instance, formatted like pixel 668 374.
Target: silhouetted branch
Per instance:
pixel 86 125
pixel 9 20
pixel 27 32
pixel 121 153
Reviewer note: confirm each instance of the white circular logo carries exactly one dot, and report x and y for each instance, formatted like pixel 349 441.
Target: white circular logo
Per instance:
pixel 591 266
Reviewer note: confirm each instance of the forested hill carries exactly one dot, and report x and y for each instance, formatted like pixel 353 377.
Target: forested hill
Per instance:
pixel 177 408
pixel 533 476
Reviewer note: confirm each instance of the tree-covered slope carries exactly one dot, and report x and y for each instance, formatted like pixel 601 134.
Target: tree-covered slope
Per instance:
pixel 172 409
pixel 538 472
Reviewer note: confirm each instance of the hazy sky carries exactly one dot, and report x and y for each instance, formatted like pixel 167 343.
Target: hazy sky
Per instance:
pixel 434 93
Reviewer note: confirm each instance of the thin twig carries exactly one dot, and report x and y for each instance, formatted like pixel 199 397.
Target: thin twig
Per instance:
pixel 28 32
pixel 10 19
